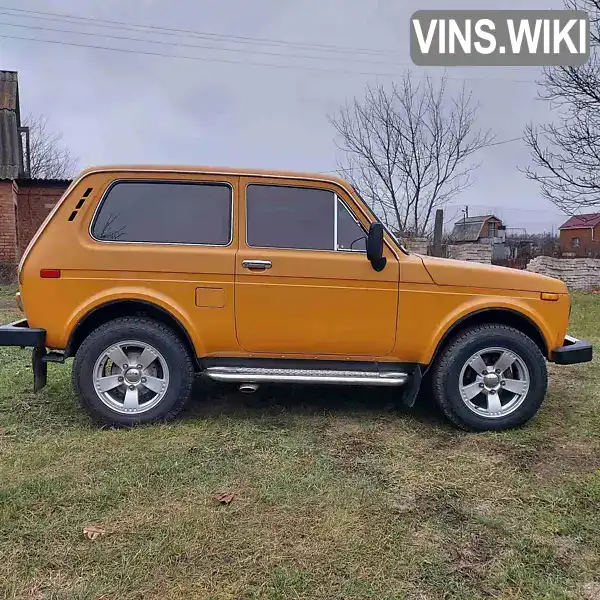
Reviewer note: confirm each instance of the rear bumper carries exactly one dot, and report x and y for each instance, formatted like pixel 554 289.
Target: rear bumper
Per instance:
pixel 20 334
pixel 574 351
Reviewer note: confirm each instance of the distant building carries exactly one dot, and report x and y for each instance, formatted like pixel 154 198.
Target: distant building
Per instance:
pixel 24 202
pixel 580 235
pixel 485 229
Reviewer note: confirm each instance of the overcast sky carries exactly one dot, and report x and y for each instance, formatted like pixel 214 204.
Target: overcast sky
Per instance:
pixel 115 107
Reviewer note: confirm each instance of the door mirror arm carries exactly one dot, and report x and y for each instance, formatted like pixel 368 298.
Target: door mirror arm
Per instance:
pixel 375 247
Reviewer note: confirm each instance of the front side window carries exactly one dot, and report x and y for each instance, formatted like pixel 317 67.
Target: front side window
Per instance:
pixel 575 242
pixel 289 217
pixel 350 234
pixel 164 212
pixel 300 218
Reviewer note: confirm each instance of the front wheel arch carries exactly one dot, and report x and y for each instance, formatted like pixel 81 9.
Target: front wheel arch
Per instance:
pixel 493 316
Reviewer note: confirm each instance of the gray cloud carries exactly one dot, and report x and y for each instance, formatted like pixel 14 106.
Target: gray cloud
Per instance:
pixel 117 107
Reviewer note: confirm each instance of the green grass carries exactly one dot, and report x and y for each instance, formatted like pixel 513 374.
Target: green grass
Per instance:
pixel 335 496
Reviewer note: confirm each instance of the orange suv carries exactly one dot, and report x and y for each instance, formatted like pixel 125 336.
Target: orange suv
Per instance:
pixel 150 275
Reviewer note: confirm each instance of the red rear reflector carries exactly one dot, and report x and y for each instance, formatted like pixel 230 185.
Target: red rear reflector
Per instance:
pixel 50 273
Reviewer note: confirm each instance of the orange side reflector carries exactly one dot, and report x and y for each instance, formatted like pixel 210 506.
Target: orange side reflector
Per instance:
pixel 50 273
pixel 550 297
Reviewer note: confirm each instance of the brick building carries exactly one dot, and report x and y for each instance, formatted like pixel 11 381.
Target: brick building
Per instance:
pixel 580 235
pixel 24 202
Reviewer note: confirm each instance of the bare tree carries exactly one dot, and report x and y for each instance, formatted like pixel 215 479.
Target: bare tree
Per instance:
pixel 48 157
pixel 566 154
pixel 406 149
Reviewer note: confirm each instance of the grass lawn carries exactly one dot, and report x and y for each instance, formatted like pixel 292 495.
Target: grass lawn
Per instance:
pixel 335 496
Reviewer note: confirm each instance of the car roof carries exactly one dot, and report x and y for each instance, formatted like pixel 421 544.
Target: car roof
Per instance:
pixel 190 169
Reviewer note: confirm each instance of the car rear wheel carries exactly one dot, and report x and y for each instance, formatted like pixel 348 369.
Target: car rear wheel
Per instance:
pixel 133 370
pixel 490 377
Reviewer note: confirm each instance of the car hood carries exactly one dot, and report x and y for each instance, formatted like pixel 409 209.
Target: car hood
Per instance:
pixel 445 271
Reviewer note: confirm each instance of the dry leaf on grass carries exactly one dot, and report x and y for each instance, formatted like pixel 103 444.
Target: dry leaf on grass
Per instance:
pixel 591 591
pixel 225 497
pixel 92 532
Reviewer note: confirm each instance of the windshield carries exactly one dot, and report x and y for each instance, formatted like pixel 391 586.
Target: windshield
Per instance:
pixel 378 220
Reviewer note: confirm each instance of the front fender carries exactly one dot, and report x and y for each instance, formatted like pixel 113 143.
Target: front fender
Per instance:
pixel 469 308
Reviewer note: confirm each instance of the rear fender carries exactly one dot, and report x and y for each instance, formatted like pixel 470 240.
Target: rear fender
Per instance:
pixel 137 294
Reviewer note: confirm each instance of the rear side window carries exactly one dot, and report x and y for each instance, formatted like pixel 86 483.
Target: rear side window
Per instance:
pixel 289 217
pixel 166 213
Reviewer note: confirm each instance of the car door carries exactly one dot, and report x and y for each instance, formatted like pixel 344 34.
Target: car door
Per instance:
pixel 303 284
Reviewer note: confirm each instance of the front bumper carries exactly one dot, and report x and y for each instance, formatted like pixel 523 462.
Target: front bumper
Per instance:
pixel 20 334
pixel 574 351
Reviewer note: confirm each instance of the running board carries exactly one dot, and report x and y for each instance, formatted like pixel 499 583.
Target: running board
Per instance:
pixel 261 375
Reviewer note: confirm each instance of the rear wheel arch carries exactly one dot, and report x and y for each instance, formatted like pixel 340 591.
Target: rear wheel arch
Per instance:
pixel 494 316
pixel 127 308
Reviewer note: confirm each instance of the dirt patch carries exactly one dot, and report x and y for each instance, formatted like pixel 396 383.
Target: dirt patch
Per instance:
pixel 565 461
pixel 8 304
pixel 476 556
pixel 442 505
pixel 349 442
pixel 547 461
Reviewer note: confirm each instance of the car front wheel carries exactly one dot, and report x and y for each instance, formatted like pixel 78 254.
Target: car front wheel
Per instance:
pixel 490 377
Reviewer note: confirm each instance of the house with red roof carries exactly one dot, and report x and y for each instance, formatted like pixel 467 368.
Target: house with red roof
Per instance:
pixel 580 235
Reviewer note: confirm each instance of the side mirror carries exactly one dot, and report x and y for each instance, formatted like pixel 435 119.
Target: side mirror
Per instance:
pixel 375 247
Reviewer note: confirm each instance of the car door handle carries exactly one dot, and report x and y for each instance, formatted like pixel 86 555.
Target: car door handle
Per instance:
pixel 258 265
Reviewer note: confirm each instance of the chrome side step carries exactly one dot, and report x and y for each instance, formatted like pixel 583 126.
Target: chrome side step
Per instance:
pixel 261 375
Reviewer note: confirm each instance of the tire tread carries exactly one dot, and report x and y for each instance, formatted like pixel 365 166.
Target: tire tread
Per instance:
pixel 444 365
pixel 171 338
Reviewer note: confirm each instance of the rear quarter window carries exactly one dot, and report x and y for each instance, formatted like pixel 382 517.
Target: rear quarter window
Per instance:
pixel 165 213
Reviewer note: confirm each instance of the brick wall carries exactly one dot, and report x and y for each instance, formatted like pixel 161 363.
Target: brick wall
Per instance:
pixel 577 273
pixel 24 205
pixel 589 244
pixel 33 205
pixel 485 230
pixel 8 231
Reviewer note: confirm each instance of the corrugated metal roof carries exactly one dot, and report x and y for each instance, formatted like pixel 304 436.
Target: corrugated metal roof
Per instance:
pixel 467 231
pixel 582 221
pixel 40 182
pixel 9 90
pixel 10 142
pixel 477 219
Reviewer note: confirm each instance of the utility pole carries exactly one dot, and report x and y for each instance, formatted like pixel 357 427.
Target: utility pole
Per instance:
pixel 437 232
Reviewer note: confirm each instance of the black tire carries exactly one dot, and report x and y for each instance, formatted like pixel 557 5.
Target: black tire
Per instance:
pixel 164 340
pixel 447 370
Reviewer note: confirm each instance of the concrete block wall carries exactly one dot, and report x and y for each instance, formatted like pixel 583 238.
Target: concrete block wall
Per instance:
pixel 481 253
pixel 416 245
pixel 577 273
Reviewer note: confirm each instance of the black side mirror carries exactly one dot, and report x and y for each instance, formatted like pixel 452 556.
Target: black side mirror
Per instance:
pixel 375 247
